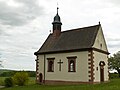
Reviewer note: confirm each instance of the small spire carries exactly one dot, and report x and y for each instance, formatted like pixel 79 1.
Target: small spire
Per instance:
pixel 57 17
pixel 57 9
pixel 56 24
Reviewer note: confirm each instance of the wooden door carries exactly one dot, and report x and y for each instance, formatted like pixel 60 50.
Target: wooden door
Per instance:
pixel 102 73
pixel 40 78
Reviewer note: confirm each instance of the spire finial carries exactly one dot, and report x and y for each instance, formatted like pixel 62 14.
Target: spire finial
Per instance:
pixel 99 23
pixel 57 7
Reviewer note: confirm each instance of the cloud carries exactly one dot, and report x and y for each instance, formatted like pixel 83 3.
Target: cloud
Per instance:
pixel 25 24
pixel 1 31
pixel 116 2
pixel 23 13
pixel 113 43
pixel 113 39
pixel 18 47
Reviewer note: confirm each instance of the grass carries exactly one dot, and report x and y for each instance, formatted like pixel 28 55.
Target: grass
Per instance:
pixel 114 84
pixel 2 80
pixel 31 81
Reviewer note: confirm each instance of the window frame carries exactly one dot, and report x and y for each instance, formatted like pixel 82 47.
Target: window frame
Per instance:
pixel 50 67
pixel 72 59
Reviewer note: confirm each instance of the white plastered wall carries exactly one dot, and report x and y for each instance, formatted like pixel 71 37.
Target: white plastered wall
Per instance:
pixel 81 74
pixel 98 56
pixel 100 40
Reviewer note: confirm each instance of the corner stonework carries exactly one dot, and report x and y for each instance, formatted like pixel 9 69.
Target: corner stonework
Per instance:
pixel 91 66
pixel 37 73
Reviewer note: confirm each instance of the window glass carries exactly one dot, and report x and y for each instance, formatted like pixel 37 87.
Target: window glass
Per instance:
pixel 72 64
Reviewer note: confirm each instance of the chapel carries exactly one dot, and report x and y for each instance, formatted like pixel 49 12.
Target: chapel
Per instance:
pixel 73 56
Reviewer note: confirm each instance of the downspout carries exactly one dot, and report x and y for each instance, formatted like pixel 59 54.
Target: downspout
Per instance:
pixel 44 68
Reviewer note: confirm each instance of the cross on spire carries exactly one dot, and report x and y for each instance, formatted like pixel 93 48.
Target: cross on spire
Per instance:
pixel 60 64
pixel 57 9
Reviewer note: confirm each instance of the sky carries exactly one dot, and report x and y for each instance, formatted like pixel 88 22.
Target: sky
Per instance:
pixel 25 24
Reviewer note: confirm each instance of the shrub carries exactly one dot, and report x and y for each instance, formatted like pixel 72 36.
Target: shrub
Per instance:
pixel 31 73
pixel 8 82
pixel 21 78
pixel 114 75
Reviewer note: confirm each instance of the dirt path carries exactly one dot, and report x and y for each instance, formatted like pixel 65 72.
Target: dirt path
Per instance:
pixel 2 86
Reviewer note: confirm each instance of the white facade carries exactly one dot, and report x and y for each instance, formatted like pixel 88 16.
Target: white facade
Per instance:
pixel 64 75
pixel 98 56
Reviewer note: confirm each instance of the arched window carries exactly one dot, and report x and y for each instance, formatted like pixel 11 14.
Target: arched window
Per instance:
pixel 50 65
pixel 71 64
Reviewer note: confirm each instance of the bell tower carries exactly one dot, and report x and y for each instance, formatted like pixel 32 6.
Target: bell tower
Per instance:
pixel 56 25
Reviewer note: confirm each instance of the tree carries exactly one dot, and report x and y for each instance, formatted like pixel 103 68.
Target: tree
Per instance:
pixel 114 62
pixel 7 73
pixel 8 82
pixel 21 78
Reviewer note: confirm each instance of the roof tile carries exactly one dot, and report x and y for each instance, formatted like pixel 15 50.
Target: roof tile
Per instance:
pixel 70 40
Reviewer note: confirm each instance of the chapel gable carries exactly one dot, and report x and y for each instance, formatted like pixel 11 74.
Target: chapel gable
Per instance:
pixel 99 42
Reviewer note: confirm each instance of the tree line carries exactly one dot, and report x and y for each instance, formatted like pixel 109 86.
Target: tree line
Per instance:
pixel 114 62
pixel 11 73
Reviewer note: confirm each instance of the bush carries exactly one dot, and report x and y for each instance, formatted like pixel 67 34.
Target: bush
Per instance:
pixel 113 75
pixel 8 82
pixel 21 78
pixel 31 73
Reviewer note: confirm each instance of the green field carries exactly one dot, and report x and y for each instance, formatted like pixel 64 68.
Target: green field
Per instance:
pixel 114 84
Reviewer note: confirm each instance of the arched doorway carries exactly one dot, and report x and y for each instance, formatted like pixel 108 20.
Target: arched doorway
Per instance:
pixel 40 78
pixel 102 64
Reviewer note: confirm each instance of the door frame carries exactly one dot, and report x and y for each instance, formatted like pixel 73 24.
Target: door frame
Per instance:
pixel 102 64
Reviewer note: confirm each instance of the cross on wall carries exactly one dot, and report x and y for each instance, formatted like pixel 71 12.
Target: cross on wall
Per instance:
pixel 60 64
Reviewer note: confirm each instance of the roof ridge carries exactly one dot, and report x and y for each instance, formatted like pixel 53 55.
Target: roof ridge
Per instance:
pixel 80 28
